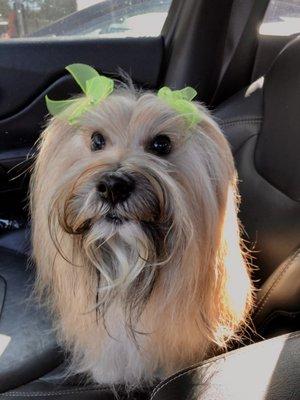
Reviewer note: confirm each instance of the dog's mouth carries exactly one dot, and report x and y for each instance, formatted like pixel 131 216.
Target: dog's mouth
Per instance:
pixel 141 208
pixel 115 218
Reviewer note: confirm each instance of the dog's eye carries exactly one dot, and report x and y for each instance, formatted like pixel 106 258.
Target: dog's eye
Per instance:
pixel 161 145
pixel 97 141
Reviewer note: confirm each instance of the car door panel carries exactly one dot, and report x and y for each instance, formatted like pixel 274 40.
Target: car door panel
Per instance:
pixel 31 65
pixel 32 68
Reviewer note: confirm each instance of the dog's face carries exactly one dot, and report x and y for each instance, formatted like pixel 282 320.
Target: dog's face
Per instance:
pixel 123 172
pixel 141 198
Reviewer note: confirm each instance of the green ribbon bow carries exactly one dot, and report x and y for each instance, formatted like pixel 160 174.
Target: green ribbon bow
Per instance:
pixel 181 102
pixel 98 87
pixel 95 87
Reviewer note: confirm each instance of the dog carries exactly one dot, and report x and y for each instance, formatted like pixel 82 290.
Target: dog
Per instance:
pixel 136 239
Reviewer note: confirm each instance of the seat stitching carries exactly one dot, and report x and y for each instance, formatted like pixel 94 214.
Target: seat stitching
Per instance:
pixel 285 268
pixel 170 381
pixel 280 270
pixel 59 393
pixel 250 118
pixel 240 121
pixel 194 368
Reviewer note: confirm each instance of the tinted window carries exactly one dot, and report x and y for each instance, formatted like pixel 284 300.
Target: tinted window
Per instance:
pixel 282 18
pixel 100 18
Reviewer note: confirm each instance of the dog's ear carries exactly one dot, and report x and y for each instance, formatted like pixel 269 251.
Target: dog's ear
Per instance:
pixel 227 285
pixel 211 288
pixel 233 289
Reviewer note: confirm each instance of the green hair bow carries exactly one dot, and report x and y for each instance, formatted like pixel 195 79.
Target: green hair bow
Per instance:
pixel 95 87
pixel 181 102
pixel 98 87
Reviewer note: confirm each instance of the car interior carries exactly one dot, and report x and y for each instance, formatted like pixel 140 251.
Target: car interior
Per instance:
pixel 251 84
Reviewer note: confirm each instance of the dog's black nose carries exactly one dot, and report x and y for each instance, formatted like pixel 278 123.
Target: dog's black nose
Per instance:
pixel 115 188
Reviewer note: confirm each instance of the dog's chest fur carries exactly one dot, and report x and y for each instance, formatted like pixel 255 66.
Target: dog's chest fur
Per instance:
pixel 122 359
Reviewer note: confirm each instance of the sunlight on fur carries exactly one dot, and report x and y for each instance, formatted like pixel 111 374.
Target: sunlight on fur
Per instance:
pixel 143 287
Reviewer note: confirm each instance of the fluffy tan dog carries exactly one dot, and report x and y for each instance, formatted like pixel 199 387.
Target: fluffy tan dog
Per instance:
pixel 136 239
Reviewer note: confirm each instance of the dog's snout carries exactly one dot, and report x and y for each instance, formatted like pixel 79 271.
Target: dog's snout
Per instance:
pixel 115 188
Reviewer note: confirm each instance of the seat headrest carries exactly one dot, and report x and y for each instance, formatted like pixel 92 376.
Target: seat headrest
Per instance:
pixel 277 155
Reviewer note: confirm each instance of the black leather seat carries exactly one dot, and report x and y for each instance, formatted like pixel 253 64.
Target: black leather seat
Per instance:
pixel 264 371
pixel 28 347
pixel 262 124
pixel 267 370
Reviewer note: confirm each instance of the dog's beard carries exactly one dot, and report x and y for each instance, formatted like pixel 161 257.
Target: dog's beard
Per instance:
pixel 127 243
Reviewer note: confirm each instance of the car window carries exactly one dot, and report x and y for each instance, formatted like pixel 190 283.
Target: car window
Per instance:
pixel 96 18
pixel 282 18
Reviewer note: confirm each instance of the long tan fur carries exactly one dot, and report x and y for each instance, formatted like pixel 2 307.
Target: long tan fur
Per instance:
pixel 131 305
